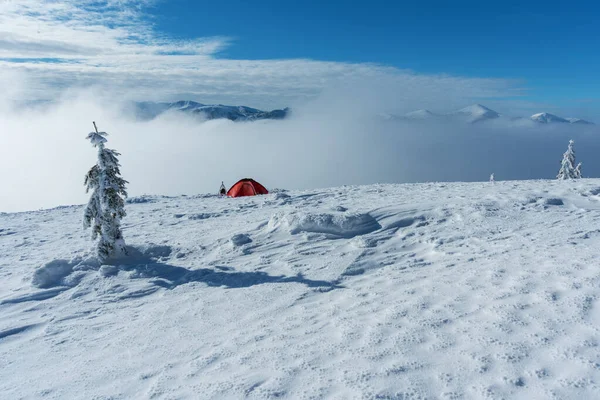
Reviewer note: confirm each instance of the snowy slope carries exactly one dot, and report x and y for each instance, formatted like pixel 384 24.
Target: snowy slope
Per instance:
pixel 579 121
pixel 448 291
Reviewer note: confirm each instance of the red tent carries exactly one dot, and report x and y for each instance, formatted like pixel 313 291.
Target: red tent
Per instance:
pixel 246 187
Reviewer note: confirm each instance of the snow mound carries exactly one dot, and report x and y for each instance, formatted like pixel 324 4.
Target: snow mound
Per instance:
pixel 341 225
pixel 240 239
pixel 55 273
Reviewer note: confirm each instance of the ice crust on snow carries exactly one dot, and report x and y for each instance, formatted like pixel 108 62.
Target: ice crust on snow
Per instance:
pixel 448 290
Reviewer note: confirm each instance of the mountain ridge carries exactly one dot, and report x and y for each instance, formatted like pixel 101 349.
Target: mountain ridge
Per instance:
pixel 476 113
pixel 148 110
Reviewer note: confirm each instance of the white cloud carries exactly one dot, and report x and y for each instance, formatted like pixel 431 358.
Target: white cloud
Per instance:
pixel 79 44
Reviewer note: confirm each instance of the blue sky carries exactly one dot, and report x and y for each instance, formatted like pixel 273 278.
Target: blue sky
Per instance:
pixel 518 56
pixel 553 46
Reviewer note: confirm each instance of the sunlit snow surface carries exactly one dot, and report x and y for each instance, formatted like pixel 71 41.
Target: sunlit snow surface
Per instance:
pixel 454 290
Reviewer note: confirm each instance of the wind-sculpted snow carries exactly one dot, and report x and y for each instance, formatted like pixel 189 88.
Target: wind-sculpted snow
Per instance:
pixel 342 225
pixel 53 274
pixel 433 291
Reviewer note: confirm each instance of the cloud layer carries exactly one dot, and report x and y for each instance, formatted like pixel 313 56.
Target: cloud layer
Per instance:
pixel 111 46
pixel 328 142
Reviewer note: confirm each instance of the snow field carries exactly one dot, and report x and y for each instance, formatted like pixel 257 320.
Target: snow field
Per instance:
pixel 450 290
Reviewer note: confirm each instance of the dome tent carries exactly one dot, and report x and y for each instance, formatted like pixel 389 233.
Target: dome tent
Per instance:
pixel 246 187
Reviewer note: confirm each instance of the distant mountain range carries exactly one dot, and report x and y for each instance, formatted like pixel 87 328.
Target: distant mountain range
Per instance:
pixel 150 110
pixel 477 113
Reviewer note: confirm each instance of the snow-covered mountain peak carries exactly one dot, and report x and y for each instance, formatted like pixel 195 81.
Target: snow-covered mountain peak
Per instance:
pixel 546 118
pixel 479 113
pixel 420 114
pixel 476 113
pixel 150 110
pixel 476 109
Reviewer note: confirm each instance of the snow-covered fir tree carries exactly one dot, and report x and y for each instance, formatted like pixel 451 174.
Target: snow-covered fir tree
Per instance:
pixel 106 206
pixel 567 166
pixel 578 171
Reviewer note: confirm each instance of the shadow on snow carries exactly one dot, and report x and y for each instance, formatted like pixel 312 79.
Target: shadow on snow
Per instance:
pixel 171 276
pixel 149 263
pixel 143 263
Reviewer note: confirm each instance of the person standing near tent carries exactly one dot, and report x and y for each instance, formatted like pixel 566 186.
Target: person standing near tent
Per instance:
pixel 222 190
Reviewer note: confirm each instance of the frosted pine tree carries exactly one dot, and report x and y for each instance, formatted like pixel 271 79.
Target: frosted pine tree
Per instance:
pixel 567 166
pixel 578 171
pixel 106 206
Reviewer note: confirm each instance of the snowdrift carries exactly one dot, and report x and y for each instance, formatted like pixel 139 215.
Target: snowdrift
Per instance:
pixel 340 225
